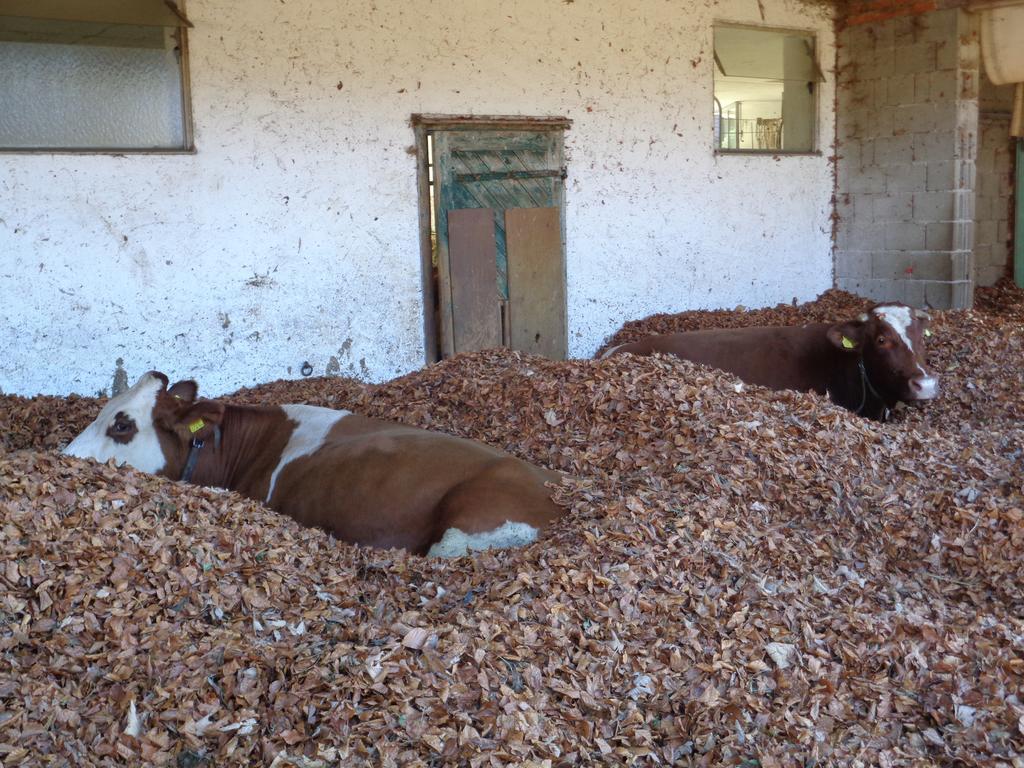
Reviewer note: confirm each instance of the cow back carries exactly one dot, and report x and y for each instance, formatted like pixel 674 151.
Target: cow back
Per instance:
pixel 778 357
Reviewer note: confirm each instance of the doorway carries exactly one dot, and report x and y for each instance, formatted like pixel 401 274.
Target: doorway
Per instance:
pixel 492 217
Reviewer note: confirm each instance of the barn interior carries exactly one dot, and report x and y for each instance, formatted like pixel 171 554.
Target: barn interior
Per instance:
pixel 744 577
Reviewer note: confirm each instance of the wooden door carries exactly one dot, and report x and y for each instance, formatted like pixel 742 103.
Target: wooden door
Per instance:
pixel 499 202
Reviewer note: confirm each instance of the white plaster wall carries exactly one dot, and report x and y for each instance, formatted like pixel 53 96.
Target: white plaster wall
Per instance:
pixel 292 234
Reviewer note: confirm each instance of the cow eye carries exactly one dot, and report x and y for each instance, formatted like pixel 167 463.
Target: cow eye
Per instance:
pixel 122 429
pixel 882 341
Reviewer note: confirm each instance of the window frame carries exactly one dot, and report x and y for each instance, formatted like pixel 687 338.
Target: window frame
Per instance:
pixel 815 150
pixel 188 145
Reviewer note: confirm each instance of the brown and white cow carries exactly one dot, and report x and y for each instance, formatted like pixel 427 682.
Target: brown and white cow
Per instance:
pixel 366 481
pixel 866 365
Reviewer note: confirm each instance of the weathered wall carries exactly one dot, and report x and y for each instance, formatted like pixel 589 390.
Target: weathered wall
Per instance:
pixel 994 187
pixel 292 234
pixel 907 142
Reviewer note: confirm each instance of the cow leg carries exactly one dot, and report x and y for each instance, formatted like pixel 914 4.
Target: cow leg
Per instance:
pixel 505 505
pixel 455 542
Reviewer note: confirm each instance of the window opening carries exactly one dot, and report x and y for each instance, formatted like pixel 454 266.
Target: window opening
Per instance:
pixel 765 90
pixel 92 85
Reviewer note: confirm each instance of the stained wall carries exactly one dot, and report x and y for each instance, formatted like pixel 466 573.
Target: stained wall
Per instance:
pixel 291 235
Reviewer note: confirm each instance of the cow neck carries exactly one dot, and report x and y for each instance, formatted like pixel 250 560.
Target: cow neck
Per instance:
pixel 251 441
pixel 850 386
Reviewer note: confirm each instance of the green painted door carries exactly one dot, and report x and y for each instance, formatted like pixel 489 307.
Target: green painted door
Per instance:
pixel 493 173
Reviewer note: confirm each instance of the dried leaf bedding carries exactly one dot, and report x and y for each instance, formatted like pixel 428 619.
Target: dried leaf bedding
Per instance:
pixel 746 577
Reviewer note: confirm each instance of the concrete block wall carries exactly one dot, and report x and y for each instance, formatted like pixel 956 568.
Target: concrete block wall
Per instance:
pixel 992 204
pixel 994 184
pixel 906 145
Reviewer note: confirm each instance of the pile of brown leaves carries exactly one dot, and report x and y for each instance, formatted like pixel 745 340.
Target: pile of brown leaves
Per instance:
pixel 746 577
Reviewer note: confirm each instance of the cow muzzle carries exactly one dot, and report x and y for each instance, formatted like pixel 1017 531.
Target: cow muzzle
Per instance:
pixel 924 388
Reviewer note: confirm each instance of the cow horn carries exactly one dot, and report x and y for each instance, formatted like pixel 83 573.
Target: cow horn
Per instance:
pixel 921 314
pixel 863 317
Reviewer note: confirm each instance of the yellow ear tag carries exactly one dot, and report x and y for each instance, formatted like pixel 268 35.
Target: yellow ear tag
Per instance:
pixel 196 425
pixel 927 332
pixel 848 344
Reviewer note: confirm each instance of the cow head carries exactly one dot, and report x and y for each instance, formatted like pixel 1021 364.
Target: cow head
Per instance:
pixel 890 340
pixel 149 426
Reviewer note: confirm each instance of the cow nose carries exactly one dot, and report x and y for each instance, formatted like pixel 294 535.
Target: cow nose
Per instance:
pixel 924 387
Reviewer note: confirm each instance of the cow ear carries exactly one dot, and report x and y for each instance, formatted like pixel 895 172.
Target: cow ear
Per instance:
pixel 184 391
pixel 849 337
pixel 201 420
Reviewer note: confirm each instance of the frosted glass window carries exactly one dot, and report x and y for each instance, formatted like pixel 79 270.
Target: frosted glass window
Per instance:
pixel 765 90
pixel 83 85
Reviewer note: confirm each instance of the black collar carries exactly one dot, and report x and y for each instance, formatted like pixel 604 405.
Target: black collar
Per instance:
pixel 865 387
pixel 193 454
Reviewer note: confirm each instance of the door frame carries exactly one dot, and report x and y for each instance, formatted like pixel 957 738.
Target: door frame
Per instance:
pixel 422 125
pixel 1018 225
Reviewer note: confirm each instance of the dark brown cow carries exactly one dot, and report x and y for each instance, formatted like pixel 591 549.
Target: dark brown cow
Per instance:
pixel 866 365
pixel 366 481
